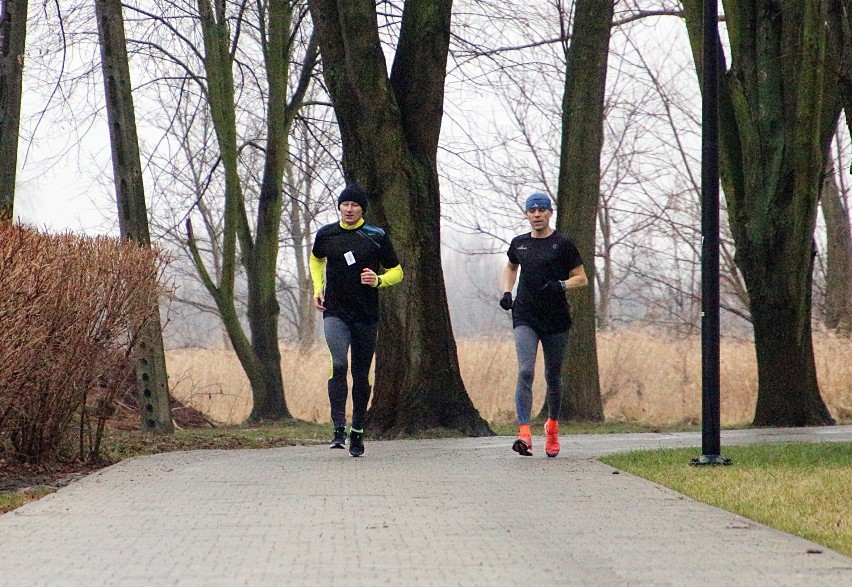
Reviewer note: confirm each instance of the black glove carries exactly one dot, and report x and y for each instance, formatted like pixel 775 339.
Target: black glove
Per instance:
pixel 506 301
pixel 553 286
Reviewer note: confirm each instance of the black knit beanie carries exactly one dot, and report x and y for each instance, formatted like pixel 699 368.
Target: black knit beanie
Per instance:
pixel 353 192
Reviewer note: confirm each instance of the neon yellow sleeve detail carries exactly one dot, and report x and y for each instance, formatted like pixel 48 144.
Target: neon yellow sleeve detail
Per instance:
pixel 392 276
pixel 317 273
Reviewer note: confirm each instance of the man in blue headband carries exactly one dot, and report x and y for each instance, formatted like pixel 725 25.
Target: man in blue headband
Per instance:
pixel 549 264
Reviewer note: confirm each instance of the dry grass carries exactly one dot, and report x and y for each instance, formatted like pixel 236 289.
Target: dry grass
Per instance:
pixel 645 378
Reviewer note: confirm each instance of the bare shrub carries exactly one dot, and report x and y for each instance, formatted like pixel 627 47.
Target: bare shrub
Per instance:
pixel 70 310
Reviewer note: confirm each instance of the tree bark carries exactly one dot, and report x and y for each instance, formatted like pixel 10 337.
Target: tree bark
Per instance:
pixel 785 365
pixel 840 28
pixel 834 207
pixel 775 127
pixel 837 313
pixel 390 128
pixel 300 232
pixel 13 34
pixel 260 256
pixel 151 374
pixel 579 194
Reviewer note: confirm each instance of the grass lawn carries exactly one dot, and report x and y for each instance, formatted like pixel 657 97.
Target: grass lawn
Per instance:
pixel 803 489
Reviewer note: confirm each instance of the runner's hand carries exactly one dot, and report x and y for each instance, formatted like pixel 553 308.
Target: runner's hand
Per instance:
pixel 506 301
pixel 319 303
pixel 369 277
pixel 553 285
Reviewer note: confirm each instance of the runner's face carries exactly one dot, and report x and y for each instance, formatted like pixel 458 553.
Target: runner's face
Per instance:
pixel 351 212
pixel 539 219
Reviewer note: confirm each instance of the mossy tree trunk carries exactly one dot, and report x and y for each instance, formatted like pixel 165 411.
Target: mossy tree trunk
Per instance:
pixel 259 352
pixel 151 375
pixel 390 127
pixel 579 195
pixel 778 108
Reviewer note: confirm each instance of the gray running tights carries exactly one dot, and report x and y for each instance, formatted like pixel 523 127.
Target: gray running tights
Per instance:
pixel 526 345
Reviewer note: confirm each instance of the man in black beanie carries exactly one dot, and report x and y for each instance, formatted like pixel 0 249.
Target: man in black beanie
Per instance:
pixel 349 262
pixel 353 192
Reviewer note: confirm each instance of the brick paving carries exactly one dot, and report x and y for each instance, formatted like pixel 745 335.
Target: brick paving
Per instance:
pixel 429 512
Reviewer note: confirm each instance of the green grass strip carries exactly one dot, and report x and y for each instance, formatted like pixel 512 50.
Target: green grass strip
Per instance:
pixel 803 489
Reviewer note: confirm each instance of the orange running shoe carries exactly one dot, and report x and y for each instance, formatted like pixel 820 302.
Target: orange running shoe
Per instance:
pixel 551 433
pixel 523 445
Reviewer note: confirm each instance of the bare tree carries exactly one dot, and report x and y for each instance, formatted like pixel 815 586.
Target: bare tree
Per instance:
pixel 219 66
pixel 182 182
pixel 390 127
pixel 260 355
pixel 837 307
pixel 580 189
pixel 775 127
pixel 151 375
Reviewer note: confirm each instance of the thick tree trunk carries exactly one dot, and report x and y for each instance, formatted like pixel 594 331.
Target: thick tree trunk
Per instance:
pixel 775 127
pixel 579 194
pixel 390 131
pixel 840 28
pixel 837 313
pixel 151 374
pixel 13 33
pixel 789 395
pixel 268 401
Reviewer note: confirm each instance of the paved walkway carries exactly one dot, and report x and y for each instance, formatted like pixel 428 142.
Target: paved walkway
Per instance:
pixel 432 512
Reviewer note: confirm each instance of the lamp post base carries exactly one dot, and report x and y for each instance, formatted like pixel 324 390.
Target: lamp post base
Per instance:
pixel 704 460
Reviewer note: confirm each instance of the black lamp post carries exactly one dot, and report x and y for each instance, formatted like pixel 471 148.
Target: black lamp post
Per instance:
pixel 710 418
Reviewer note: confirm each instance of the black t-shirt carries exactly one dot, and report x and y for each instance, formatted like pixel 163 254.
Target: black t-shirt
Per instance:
pixel 347 253
pixel 542 260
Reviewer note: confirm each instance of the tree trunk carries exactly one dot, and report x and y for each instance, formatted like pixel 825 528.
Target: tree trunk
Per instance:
pixel 390 128
pixel 13 34
pixel 837 313
pixel 151 374
pixel 261 256
pixel 579 194
pixel 775 127
pixel 786 368
pixel 840 28
pixel 603 279
pixel 300 231
pixel 220 92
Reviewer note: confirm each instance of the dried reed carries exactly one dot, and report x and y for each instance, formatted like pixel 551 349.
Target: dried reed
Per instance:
pixel 646 378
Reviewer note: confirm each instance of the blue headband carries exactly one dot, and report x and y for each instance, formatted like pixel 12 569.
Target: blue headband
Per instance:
pixel 540 201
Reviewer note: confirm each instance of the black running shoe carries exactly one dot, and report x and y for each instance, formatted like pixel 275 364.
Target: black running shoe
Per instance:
pixel 356 443
pixel 339 438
